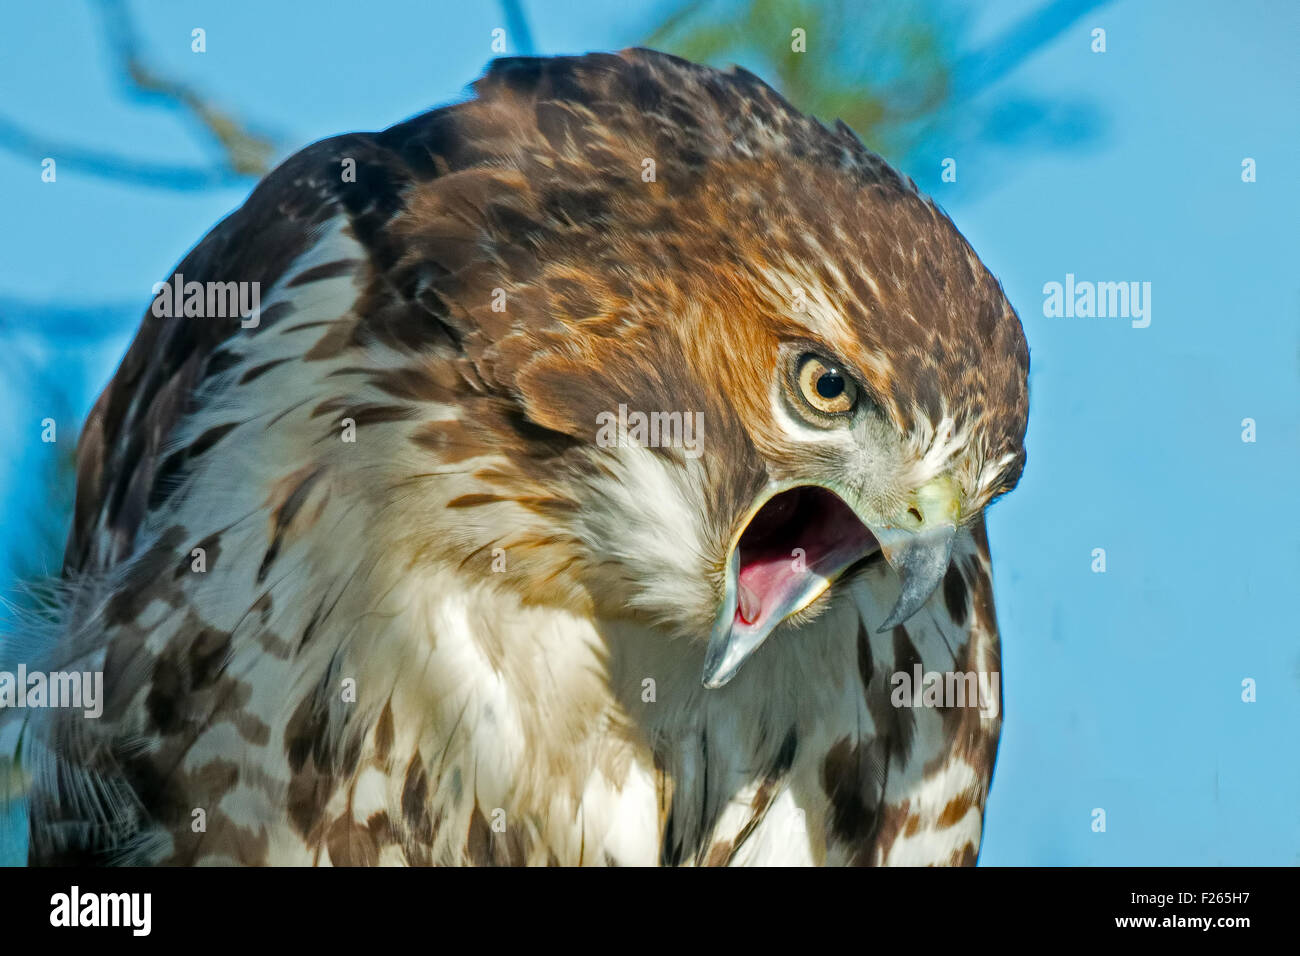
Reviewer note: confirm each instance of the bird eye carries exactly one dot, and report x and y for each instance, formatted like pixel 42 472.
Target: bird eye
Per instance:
pixel 825 388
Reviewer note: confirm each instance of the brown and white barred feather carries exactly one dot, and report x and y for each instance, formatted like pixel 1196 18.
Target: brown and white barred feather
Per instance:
pixel 498 716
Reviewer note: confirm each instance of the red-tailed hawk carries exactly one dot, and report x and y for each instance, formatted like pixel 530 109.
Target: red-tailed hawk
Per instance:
pixel 592 461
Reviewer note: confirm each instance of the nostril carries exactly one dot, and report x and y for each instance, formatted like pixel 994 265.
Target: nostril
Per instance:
pixel 915 513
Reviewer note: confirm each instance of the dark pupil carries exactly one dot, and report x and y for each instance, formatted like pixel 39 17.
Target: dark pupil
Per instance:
pixel 830 385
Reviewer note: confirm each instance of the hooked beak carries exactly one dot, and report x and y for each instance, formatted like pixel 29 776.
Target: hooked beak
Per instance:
pixel 921 560
pixel 797 542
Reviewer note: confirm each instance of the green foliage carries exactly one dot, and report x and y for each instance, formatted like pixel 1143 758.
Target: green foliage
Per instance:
pixel 885 69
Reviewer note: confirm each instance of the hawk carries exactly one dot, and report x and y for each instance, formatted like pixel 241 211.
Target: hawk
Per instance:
pixel 395 572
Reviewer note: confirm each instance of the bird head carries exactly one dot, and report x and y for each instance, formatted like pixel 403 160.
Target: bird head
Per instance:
pixel 771 357
pixel 816 406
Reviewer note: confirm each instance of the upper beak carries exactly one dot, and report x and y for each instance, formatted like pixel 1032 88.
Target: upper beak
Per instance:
pixel 918 549
pixel 921 560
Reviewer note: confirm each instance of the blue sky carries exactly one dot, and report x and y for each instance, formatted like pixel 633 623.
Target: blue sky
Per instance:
pixel 1123 689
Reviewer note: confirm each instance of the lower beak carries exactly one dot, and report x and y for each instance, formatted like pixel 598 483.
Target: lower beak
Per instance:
pixel 919 557
pixel 733 640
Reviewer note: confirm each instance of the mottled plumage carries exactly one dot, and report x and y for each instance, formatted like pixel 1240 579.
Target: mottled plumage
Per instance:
pixel 495 585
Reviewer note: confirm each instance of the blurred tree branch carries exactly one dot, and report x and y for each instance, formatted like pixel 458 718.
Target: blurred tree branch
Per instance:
pixel 18 139
pixel 241 153
pixel 892 71
pixel 517 27
pixel 245 153
pixel 77 325
pixel 998 58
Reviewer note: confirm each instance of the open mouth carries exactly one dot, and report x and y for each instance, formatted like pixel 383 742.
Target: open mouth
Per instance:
pixel 798 539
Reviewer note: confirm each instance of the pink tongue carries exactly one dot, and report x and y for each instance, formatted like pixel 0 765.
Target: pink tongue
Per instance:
pixel 763 584
pixel 750 606
pixel 769 577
